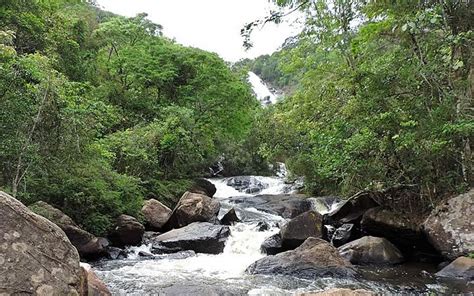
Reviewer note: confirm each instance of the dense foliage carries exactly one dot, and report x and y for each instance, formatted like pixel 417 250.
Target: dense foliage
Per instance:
pixel 99 111
pixel 385 96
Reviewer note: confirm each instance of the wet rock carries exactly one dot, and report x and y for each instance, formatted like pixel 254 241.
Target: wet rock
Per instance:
pixel 343 234
pixel 314 258
pixel 148 237
pixel 193 207
pixel 263 226
pixel 272 245
pixel 201 237
pixel 461 268
pixel 351 210
pixel 36 257
pixel 156 214
pixel 230 218
pixel 341 292
pixel 247 184
pixel 203 186
pixel 127 232
pixel 449 227
pixel 94 286
pixel 88 245
pixel 145 254
pixel 324 204
pixel 298 229
pixel 285 205
pixel 400 229
pixel 115 253
pixel 371 250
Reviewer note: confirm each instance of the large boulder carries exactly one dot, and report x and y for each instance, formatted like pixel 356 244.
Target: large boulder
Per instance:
pixel 230 218
pixel 203 186
pixel 461 268
pixel 314 258
pixel 285 205
pixel 35 255
pixel 127 231
pixel 272 245
pixel 371 250
pixel 450 228
pixel 193 207
pixel 88 245
pixel 92 284
pixel 398 228
pixel 200 237
pixel 351 210
pixel 298 229
pixel 156 214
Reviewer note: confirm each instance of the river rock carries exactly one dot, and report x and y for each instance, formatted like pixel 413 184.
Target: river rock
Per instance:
pixel 400 229
pixel 450 227
pixel 127 232
pixel 203 186
pixel 94 286
pixel 272 245
pixel 36 257
pixel 193 207
pixel 263 226
pixel 341 292
pixel 156 214
pixel 230 218
pixel 116 253
pixel 351 210
pixel 298 229
pixel 314 258
pixel 371 250
pixel 247 184
pixel 88 245
pixel 343 234
pixel 285 205
pixel 200 237
pixel 461 268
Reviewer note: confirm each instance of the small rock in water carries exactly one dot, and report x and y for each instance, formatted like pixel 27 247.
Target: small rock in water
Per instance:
pixel 116 253
pixel 145 254
pixel 263 226
pixel 461 268
pixel 230 218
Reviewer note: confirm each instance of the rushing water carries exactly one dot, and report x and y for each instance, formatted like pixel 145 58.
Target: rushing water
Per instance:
pixel 263 94
pixel 224 274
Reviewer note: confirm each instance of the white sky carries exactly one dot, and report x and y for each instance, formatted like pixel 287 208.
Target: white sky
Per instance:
pixel 212 25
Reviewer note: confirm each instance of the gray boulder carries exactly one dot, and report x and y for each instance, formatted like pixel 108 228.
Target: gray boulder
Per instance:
pixel 314 258
pixel 461 268
pixel 449 227
pixel 193 207
pixel 298 229
pixel 127 232
pixel 200 237
pixel 36 257
pixel 371 250
pixel 272 245
pixel 203 186
pixel 156 214
pixel 88 245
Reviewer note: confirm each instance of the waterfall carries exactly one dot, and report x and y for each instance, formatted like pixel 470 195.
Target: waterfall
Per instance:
pixel 263 94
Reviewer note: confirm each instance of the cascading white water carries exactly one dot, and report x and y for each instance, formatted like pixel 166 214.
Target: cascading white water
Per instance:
pixel 263 94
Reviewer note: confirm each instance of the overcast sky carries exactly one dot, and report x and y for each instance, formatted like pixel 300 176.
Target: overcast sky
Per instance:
pixel 213 25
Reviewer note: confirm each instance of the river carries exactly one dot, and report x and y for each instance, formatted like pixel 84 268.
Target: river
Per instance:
pixel 224 274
